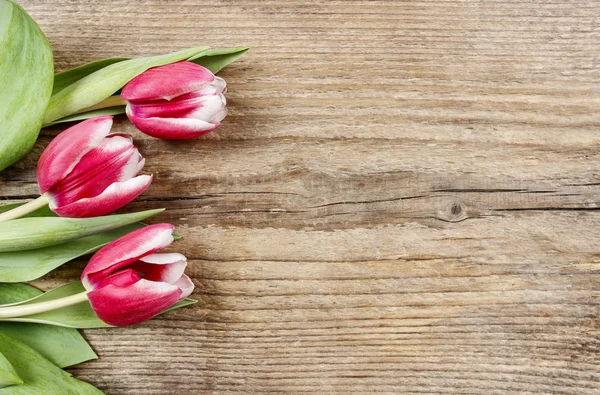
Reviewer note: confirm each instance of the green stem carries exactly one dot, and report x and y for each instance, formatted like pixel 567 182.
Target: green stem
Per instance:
pixel 25 209
pixel 41 307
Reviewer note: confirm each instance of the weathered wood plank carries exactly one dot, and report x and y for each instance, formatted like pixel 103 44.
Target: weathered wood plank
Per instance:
pixel 403 199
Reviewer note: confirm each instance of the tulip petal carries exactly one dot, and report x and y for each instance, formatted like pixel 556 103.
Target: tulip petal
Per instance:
pixel 203 108
pixel 121 306
pixel 219 116
pixel 141 163
pixel 209 107
pixel 220 85
pixel 113 198
pixel 124 278
pixel 126 250
pixel 167 82
pixel 186 285
pixel 164 109
pixel 131 168
pixel 66 150
pixel 114 160
pixel 173 128
pixel 163 258
pixel 166 268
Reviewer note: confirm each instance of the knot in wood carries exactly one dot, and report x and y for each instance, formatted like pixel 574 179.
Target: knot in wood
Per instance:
pixel 454 211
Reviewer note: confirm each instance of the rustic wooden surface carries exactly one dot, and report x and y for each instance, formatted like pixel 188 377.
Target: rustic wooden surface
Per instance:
pixel 403 199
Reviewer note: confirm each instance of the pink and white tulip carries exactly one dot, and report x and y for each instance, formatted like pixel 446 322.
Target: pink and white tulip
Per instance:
pixel 126 282
pixel 129 282
pixel 86 171
pixel 179 101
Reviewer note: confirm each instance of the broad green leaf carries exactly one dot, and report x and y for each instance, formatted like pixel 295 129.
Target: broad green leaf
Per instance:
pixel 39 375
pixel 215 60
pixel 8 375
pixel 32 233
pixel 90 114
pixel 22 266
pixel 62 346
pixel 80 315
pixel 102 83
pixel 26 68
pixel 66 78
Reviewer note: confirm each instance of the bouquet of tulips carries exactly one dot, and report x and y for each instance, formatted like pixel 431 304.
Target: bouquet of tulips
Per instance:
pixel 84 175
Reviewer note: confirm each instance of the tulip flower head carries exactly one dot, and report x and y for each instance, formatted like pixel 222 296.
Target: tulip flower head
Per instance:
pixel 129 282
pixel 179 101
pixel 86 171
pixel 125 282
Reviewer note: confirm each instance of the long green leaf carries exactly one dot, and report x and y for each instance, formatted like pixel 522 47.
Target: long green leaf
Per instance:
pixel 80 315
pixel 215 60
pixel 102 83
pixel 26 69
pixel 40 212
pixel 22 266
pixel 8 375
pixel 39 375
pixel 89 114
pixel 66 78
pixel 62 346
pixel 180 304
pixel 32 233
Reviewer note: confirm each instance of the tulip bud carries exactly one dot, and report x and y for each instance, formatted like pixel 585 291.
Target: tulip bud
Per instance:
pixel 87 172
pixel 179 101
pixel 128 282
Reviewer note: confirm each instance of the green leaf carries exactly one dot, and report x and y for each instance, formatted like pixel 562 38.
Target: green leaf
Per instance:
pixel 26 68
pixel 66 78
pixel 180 304
pixel 8 375
pixel 90 114
pixel 102 83
pixel 80 315
pixel 28 265
pixel 62 346
pixel 22 266
pixel 40 212
pixel 39 375
pixel 32 233
pixel 215 60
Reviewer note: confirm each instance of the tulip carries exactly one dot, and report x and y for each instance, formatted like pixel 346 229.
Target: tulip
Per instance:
pixel 179 101
pixel 126 281
pixel 87 172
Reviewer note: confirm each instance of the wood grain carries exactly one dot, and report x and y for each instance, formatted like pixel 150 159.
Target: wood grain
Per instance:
pixel 403 199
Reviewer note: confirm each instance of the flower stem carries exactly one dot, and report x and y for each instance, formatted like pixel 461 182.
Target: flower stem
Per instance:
pixel 26 208
pixel 36 308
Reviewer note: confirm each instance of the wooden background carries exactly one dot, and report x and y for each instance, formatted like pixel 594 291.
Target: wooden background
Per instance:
pixel 403 199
